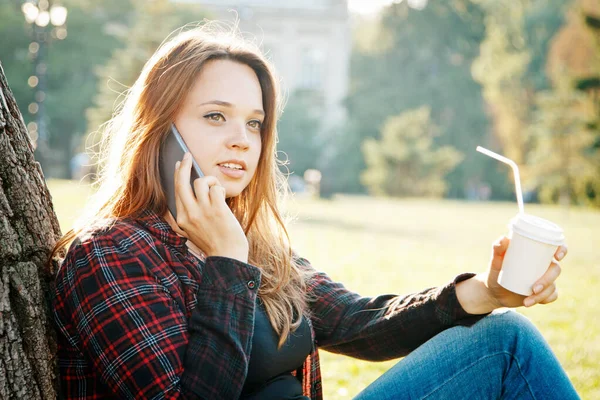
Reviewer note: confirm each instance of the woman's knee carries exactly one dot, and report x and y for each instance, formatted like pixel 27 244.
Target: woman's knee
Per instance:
pixel 510 320
pixel 511 327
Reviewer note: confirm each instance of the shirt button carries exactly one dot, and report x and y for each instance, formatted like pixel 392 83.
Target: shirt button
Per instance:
pixel 251 284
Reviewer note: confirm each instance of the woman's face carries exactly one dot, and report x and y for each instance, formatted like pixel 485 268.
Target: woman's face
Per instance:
pixel 221 120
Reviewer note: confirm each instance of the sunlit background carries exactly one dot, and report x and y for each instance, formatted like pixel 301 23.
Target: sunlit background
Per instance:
pixel 386 102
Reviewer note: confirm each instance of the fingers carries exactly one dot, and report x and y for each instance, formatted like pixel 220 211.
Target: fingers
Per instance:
pixel 561 252
pixel 548 278
pixel 217 194
pixel 550 298
pixel 545 287
pixel 202 187
pixel 500 246
pixel 188 201
pixel 498 251
pixel 182 179
pixel 541 297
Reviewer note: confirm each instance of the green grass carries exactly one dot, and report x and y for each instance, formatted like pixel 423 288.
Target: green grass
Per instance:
pixel 380 246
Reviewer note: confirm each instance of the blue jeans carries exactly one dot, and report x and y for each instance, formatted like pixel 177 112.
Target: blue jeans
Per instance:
pixel 502 356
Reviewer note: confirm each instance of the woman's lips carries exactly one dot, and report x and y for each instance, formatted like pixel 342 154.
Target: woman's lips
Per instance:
pixel 232 173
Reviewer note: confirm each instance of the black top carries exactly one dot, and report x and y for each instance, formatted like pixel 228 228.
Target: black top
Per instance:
pixel 269 369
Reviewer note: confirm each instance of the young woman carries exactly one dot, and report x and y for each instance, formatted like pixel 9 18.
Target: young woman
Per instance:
pixel 217 305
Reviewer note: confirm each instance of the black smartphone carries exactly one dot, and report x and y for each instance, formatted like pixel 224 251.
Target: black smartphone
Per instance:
pixel 172 150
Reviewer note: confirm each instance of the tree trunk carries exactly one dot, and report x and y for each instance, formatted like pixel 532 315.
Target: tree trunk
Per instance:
pixel 28 230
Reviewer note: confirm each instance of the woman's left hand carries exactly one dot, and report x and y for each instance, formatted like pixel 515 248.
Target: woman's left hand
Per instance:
pixel 544 289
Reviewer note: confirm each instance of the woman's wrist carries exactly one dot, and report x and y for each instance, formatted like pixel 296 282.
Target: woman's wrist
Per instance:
pixel 474 296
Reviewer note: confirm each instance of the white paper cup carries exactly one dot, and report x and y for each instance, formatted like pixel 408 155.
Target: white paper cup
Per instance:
pixel 533 242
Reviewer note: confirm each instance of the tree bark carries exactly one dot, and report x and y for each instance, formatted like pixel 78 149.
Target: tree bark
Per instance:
pixel 28 230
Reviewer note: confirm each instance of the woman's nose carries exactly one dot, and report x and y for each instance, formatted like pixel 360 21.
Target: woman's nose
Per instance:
pixel 239 137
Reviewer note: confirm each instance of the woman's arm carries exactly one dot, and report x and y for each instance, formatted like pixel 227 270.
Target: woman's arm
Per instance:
pixel 390 326
pixel 114 308
pixel 383 327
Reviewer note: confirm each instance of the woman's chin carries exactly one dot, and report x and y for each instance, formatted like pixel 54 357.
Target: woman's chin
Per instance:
pixel 233 189
pixel 231 192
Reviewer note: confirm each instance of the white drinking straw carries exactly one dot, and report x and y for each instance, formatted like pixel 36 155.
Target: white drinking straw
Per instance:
pixel 515 169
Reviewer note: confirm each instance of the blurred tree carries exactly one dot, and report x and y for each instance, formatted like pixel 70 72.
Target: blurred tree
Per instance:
pixel 500 68
pixel 542 20
pixel 28 230
pixel 412 58
pixel 342 165
pixel 14 52
pixel 574 49
pixel 299 133
pixel 582 62
pixel 590 82
pixel 152 23
pixel 404 162
pixel 71 63
pixel 510 68
pixel 564 164
pixel 94 32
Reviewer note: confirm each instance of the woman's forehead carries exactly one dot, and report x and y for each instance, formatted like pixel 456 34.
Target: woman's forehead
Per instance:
pixel 229 82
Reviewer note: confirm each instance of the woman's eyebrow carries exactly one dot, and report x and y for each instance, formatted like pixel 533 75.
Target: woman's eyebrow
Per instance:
pixel 228 105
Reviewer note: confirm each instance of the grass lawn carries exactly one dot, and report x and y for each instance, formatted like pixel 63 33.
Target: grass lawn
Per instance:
pixel 380 246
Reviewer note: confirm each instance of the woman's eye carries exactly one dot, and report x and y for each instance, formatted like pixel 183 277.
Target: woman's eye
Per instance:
pixel 255 124
pixel 216 117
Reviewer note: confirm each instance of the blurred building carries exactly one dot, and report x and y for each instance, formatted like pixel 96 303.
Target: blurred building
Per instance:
pixel 308 41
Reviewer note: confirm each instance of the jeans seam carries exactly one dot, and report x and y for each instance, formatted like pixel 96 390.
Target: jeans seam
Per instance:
pixel 483 358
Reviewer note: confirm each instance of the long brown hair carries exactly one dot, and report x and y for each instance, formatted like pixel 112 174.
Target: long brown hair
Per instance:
pixel 129 176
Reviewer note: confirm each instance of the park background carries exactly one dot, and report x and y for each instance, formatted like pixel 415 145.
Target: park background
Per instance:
pixel 404 201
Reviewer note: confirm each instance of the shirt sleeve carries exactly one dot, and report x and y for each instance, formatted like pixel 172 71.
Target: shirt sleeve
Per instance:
pixel 382 327
pixel 117 312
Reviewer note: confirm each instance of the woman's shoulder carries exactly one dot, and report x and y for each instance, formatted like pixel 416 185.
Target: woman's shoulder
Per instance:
pixel 120 232
pixel 145 229
pixel 110 241
pixel 111 261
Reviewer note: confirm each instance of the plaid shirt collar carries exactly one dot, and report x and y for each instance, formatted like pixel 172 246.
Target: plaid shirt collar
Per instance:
pixel 158 226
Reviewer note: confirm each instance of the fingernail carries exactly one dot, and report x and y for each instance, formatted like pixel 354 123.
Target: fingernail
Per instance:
pixel 177 164
pixel 187 156
pixel 560 255
pixel 528 302
pixel 537 289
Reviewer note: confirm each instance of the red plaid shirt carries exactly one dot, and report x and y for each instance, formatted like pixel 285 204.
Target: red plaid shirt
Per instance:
pixel 139 316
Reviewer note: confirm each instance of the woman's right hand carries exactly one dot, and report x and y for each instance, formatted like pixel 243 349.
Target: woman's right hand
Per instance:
pixel 205 218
